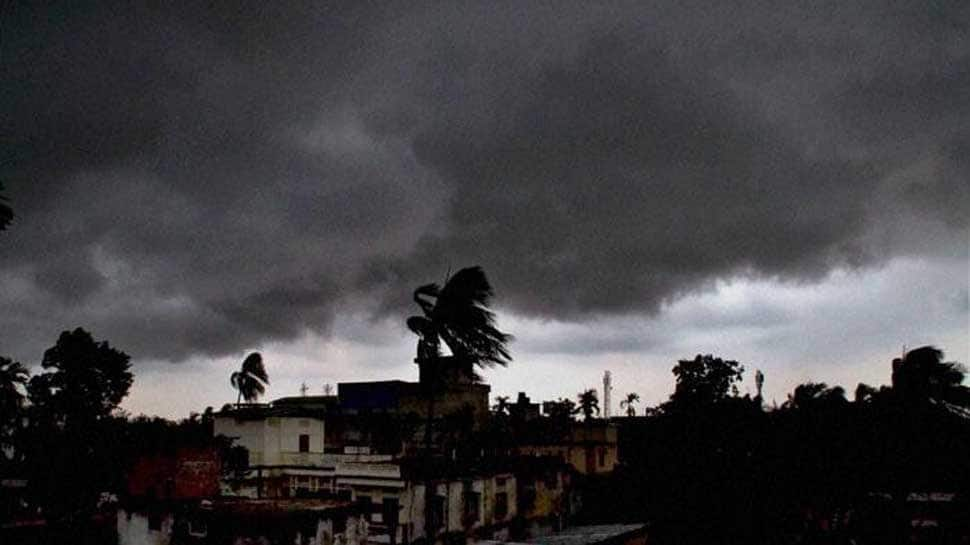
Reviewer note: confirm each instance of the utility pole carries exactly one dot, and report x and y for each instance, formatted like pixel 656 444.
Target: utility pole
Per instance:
pixel 607 388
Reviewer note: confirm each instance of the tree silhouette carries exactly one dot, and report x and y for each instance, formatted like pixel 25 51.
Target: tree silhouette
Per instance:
pixel 251 379
pixel 502 405
pixel 86 379
pixel 560 413
pixel 71 454
pixel 631 399
pixel 815 394
pixel 6 214
pixel 13 376
pixel 922 376
pixel 588 404
pixel 864 393
pixel 458 315
pixel 705 380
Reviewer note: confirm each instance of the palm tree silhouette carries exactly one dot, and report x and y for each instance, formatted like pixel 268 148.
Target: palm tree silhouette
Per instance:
pixel 922 375
pixel 812 395
pixel 457 314
pixel 460 317
pixel 502 404
pixel 630 400
pixel 251 379
pixel 588 404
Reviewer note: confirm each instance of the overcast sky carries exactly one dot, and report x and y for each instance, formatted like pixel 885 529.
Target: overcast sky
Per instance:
pixel 785 185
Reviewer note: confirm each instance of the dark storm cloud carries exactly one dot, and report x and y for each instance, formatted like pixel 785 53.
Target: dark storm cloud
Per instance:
pixel 200 180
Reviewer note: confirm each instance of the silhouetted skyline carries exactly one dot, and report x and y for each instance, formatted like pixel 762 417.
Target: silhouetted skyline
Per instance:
pixel 787 188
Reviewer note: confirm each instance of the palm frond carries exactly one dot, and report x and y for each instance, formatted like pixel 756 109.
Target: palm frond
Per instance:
pixel 253 366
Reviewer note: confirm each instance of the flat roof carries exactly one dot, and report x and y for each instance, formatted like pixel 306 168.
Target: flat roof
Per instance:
pixel 588 535
pixel 273 506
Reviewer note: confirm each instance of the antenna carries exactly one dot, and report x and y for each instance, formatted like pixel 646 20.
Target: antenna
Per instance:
pixel 303 389
pixel 607 387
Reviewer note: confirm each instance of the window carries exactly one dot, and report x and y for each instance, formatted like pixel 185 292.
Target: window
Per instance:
pixel 438 511
pixel 499 481
pixel 198 528
pixel 501 505
pixel 471 507
pixel 304 443
pixel 390 511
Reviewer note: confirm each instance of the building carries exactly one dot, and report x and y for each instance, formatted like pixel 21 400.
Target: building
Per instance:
pixel 599 534
pixel 285 446
pixel 589 447
pixel 467 500
pixel 221 521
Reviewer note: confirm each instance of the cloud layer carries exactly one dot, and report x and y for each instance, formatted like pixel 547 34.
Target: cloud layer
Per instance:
pixel 193 181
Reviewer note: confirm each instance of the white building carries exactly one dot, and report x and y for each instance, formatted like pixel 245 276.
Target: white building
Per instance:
pixel 285 447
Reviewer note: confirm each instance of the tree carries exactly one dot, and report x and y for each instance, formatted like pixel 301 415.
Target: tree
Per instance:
pixel 813 395
pixel 458 315
pixel 13 377
pixel 865 393
pixel 502 405
pixel 561 411
pixel 251 379
pixel 6 214
pixel 631 399
pixel 86 379
pixel 71 453
pixel 588 404
pixel 705 380
pixel 922 375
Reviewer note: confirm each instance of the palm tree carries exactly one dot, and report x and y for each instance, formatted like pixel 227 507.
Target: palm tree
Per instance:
pixel 460 317
pixel 922 375
pixel 251 379
pixel 588 404
pixel 815 395
pixel 502 405
pixel 630 400
pixel 457 314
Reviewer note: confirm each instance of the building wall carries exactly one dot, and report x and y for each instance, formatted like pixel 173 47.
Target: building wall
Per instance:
pixel 133 529
pixel 589 448
pixel 275 440
pixel 378 483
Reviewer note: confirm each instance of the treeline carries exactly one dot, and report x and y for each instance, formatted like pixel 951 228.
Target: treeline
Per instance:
pixel 62 432
pixel 710 466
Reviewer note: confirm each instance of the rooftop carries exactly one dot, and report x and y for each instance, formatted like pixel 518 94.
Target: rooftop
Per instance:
pixel 588 535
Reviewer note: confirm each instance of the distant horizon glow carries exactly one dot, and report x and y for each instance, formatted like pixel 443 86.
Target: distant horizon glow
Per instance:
pixel 640 352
